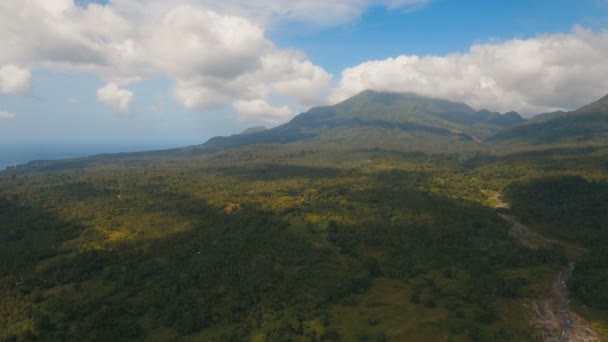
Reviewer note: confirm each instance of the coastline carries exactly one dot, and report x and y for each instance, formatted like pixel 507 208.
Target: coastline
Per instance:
pixel 15 155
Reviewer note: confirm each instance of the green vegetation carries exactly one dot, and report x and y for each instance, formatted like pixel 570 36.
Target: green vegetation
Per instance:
pixel 588 125
pixel 570 209
pixel 406 121
pixel 354 233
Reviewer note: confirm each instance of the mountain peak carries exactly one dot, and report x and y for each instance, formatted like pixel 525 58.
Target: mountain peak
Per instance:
pixel 252 130
pixel 374 113
pixel 380 94
pixel 406 102
pixel 383 95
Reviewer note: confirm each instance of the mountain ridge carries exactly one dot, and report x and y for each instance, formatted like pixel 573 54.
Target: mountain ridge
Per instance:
pixel 586 124
pixel 406 112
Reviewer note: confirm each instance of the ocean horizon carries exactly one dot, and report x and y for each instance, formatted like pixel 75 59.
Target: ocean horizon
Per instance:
pixel 12 154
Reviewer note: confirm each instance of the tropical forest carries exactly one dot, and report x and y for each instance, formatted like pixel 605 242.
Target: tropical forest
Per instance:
pixel 385 217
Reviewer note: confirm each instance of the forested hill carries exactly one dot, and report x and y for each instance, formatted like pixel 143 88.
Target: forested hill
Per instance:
pixel 587 124
pixel 371 111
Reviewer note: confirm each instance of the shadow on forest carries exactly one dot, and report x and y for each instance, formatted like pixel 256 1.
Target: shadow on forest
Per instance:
pixel 29 234
pixel 248 268
pixel 231 268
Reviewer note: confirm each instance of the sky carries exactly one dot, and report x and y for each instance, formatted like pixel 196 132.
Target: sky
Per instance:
pixel 181 71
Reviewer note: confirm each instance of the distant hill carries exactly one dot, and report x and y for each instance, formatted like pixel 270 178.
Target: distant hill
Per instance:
pixel 369 114
pixel 546 116
pixel 586 124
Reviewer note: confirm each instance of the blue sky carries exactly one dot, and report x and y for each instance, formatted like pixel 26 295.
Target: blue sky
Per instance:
pixel 440 28
pixel 75 90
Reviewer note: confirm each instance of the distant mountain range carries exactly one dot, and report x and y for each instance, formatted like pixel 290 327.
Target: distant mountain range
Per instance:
pixel 587 124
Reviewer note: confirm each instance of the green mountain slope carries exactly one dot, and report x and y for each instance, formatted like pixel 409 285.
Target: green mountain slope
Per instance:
pixel 587 124
pixel 254 130
pixel 371 113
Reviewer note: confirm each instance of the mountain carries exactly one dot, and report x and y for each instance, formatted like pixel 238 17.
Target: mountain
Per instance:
pixel 599 106
pixel 546 116
pixel 256 129
pixel 587 124
pixel 406 115
pixel 503 120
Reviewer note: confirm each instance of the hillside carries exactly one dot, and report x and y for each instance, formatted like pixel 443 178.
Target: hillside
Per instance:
pixel 256 129
pixel 408 117
pixel 588 124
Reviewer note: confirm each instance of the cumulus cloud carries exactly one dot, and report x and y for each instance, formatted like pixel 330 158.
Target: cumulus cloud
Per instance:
pixel 545 73
pixel 217 54
pixel 262 110
pixel 214 58
pixel 197 94
pixel 289 72
pixel 14 80
pixel 4 115
pixel 119 100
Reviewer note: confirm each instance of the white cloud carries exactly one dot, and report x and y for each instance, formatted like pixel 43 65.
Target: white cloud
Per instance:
pixel 119 100
pixel 288 72
pixel 316 12
pixel 217 54
pixel 14 80
pixel 192 39
pixel 545 73
pixel 196 94
pixel 213 58
pixel 259 110
pixel 4 115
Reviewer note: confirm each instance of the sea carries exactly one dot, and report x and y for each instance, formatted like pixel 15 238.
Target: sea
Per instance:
pixel 12 154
